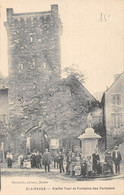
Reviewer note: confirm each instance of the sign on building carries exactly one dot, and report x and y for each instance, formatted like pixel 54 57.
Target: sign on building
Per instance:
pixel 54 143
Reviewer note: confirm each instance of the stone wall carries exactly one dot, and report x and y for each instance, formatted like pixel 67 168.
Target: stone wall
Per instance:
pixel 37 96
pixel 34 63
pixel 3 103
pixel 34 55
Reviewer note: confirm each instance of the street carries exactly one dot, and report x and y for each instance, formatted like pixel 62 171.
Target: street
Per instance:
pixel 30 180
pixel 37 181
pixel 53 175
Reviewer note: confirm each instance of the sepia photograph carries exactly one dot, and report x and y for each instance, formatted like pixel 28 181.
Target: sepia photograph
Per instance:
pixel 62 97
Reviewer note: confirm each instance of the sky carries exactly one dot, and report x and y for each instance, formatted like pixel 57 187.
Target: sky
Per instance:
pixel 92 38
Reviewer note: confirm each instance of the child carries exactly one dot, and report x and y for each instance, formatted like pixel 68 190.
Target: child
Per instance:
pixel 20 161
pixel 89 165
pixel 73 163
pixel 84 168
pixel 77 168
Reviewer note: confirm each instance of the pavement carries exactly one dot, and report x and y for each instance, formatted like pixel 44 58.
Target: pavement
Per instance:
pixel 30 181
pixel 54 174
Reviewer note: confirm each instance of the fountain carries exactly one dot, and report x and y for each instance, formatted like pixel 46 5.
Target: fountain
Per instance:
pixel 89 139
pixel 89 146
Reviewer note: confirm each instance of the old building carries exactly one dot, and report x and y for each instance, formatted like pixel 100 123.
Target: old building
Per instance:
pixel 34 61
pixel 40 102
pixel 113 110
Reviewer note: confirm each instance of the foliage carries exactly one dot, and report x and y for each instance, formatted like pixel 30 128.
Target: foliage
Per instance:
pixel 117 134
pixel 70 71
pixel 3 129
pixel 60 109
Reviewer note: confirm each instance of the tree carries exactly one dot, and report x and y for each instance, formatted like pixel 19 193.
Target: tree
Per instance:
pixel 60 108
pixel 71 71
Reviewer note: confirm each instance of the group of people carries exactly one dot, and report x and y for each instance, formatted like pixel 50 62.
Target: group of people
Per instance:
pixel 113 158
pixel 71 163
pixel 88 165
pixel 34 160
pixel 74 163
pixel 78 164
pixel 58 158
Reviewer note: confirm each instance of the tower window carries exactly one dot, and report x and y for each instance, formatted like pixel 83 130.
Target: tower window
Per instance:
pixel 21 65
pixel 44 65
pixel 39 40
pixel 34 86
pixel 16 41
pixel 31 38
pixel 32 65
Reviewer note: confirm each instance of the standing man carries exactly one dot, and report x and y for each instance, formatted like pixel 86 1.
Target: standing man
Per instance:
pixel 68 160
pixel 116 157
pixel 73 163
pixel 33 160
pixel 46 160
pixel 96 159
pixel 38 160
pixel 60 161
pixel 56 160
pixel 9 159
pixel 108 160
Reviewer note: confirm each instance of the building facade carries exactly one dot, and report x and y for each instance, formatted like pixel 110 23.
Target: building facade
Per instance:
pixel 113 110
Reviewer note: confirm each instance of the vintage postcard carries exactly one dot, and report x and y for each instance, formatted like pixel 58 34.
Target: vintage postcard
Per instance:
pixel 62 97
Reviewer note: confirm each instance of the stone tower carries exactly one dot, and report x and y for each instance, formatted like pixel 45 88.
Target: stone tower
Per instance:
pixel 33 56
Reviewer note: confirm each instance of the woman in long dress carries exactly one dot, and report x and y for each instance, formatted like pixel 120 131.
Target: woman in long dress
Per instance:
pixel 9 159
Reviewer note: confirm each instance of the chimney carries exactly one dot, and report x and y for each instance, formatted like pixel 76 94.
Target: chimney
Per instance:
pixel 9 13
pixel 54 8
pixel 116 76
